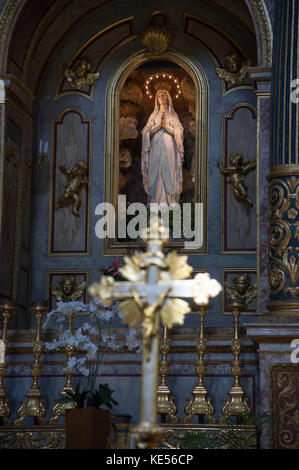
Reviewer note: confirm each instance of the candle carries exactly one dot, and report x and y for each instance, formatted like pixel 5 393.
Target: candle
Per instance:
pixel 46 147
pixel 40 146
pixel 2 352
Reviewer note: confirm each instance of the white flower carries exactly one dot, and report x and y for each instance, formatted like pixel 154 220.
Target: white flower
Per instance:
pixel 71 363
pixel 91 351
pixel 69 308
pixel 133 340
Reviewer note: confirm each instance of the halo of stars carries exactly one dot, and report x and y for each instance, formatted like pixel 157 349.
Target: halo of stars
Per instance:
pixel 149 91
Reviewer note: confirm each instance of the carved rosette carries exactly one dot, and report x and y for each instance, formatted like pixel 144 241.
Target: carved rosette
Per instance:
pixel 283 244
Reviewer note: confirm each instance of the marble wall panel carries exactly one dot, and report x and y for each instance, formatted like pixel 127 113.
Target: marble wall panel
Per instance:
pixel 68 233
pixel 239 219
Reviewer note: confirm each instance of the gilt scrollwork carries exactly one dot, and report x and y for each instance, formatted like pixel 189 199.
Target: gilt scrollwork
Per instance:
pixel 285 382
pixel 283 236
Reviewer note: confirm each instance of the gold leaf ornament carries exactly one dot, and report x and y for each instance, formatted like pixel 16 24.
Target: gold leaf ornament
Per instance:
pixel 157 40
pixel 132 270
pixel 103 290
pixel 173 312
pixel 132 313
pixel 178 267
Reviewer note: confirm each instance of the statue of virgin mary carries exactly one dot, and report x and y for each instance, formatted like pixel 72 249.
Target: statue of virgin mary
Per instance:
pixel 162 152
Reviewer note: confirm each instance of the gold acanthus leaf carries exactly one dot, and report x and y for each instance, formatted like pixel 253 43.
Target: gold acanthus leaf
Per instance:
pixel 174 311
pixel 132 313
pixel 132 270
pixel 178 267
pixel 103 289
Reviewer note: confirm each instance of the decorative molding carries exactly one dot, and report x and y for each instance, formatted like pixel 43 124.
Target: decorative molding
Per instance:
pixel 36 437
pixel 283 244
pixel 264 28
pixel 284 384
pixel 8 18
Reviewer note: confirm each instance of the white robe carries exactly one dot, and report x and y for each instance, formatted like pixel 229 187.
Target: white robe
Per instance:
pixel 162 158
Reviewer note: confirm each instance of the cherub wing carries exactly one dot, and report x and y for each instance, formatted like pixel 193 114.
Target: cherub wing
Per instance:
pixel 78 291
pixel 229 291
pixel 251 294
pixel 243 72
pixel 223 74
pixel 69 74
pixel 249 166
pixel 56 292
pixel 64 171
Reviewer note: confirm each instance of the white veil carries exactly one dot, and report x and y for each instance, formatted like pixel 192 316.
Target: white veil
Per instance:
pixel 174 121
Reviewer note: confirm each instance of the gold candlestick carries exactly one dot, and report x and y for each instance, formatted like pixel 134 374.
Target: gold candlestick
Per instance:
pixel 202 404
pixel 238 402
pixel 35 405
pixel 165 403
pixel 60 408
pixel 4 402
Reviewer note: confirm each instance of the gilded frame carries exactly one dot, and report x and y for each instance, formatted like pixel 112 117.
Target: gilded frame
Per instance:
pixel 193 68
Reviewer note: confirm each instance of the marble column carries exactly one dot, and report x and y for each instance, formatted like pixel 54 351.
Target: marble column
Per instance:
pixel 284 164
pixel 261 78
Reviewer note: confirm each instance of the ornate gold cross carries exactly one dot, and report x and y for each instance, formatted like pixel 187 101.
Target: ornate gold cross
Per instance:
pixel 155 284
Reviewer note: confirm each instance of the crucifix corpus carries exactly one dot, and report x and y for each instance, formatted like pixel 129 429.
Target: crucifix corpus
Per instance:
pixel 155 284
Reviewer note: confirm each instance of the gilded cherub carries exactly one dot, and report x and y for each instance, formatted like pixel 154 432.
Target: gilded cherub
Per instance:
pixel 234 69
pixel 237 173
pixel 80 75
pixel 67 290
pixel 72 187
pixel 242 292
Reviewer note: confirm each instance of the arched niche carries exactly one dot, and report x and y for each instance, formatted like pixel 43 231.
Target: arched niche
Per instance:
pixel 201 106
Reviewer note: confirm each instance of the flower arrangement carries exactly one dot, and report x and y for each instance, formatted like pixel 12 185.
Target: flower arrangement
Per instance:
pixel 113 270
pixel 90 343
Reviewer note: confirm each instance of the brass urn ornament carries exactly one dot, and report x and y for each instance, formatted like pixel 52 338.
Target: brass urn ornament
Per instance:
pixel 234 71
pixel 80 76
pixel 76 180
